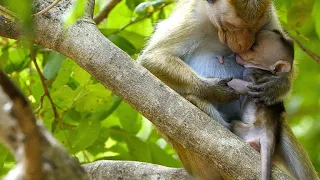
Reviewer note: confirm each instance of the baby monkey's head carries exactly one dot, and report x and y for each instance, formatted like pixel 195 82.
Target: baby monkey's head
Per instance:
pixel 272 51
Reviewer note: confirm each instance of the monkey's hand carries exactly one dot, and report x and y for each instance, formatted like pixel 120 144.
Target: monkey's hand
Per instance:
pixel 217 90
pixel 269 88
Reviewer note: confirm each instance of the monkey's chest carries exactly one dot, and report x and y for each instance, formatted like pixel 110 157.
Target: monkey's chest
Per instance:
pixel 207 64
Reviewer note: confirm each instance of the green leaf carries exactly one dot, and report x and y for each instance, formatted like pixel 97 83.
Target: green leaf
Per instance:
pixel 137 40
pixel 159 156
pixel 64 73
pixel 95 98
pixel 77 10
pixel 299 16
pixel 121 15
pixel 37 90
pixel 316 16
pixel 138 149
pixel 85 135
pixel 64 97
pixel 18 59
pixel 144 9
pixel 3 155
pixel 130 119
pixel 123 44
pixel 99 144
pixel 133 3
pixel 53 65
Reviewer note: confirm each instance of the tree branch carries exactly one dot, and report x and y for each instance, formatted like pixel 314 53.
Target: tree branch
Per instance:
pixel 131 170
pixel 8 27
pixel 103 14
pixel 304 49
pixel 38 154
pixel 173 115
pixel 44 85
pixel 27 124
pixel 89 9
pixel 47 8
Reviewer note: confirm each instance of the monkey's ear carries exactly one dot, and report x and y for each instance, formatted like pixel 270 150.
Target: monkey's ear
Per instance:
pixel 282 66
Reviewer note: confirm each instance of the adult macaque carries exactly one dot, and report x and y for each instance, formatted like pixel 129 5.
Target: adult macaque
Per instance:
pixel 183 53
pixel 260 124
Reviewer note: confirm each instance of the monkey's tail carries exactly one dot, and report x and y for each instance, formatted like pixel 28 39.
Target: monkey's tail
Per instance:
pixel 293 157
pixel 267 145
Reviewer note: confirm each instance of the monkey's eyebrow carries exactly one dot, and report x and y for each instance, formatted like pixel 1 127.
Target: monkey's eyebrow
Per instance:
pixel 277 31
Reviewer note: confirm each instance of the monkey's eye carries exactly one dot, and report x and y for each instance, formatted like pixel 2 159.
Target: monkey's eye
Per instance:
pixel 211 1
pixel 254 46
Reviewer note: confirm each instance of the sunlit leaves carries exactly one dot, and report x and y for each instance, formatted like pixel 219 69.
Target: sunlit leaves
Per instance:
pixel 53 65
pixel 3 155
pixel 300 16
pixel 75 12
pixel 316 16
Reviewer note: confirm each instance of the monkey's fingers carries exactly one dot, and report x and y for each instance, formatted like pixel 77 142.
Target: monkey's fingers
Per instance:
pixel 257 100
pixel 265 79
pixel 253 95
pixel 226 80
pixel 256 88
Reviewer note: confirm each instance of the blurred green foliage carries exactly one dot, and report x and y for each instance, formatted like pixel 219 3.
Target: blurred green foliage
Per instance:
pixel 93 123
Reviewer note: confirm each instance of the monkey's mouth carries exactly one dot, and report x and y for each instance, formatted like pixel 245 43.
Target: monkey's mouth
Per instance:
pixel 239 60
pixel 246 64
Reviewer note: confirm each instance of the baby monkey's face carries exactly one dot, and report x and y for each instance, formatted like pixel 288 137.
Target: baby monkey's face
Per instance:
pixel 271 52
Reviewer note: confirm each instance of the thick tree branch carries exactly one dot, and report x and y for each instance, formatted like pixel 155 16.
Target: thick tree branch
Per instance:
pixel 103 14
pixel 8 27
pixel 27 124
pixel 172 115
pixel 130 170
pixel 39 155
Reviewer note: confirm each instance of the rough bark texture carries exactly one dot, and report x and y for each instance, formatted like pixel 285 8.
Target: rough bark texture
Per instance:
pixel 39 156
pixel 169 112
pixel 130 170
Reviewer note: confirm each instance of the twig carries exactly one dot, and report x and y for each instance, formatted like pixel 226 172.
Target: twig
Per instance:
pixel 136 20
pixel 44 85
pixel 89 10
pixel 47 8
pixel 304 49
pixel 103 14
pixel 27 123
pixel 9 13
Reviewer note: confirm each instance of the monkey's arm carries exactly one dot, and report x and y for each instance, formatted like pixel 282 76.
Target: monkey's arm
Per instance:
pixel 268 88
pixel 180 77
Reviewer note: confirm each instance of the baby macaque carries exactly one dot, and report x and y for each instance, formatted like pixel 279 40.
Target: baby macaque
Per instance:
pixel 260 124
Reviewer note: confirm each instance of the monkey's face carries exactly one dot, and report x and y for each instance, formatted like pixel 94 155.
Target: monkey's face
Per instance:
pixel 267 53
pixel 236 28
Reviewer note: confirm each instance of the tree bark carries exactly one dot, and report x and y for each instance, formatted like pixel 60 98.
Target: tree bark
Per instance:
pixel 130 170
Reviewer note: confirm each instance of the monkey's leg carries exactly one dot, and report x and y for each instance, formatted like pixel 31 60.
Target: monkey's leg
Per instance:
pixel 208 108
pixel 267 144
pixel 195 164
